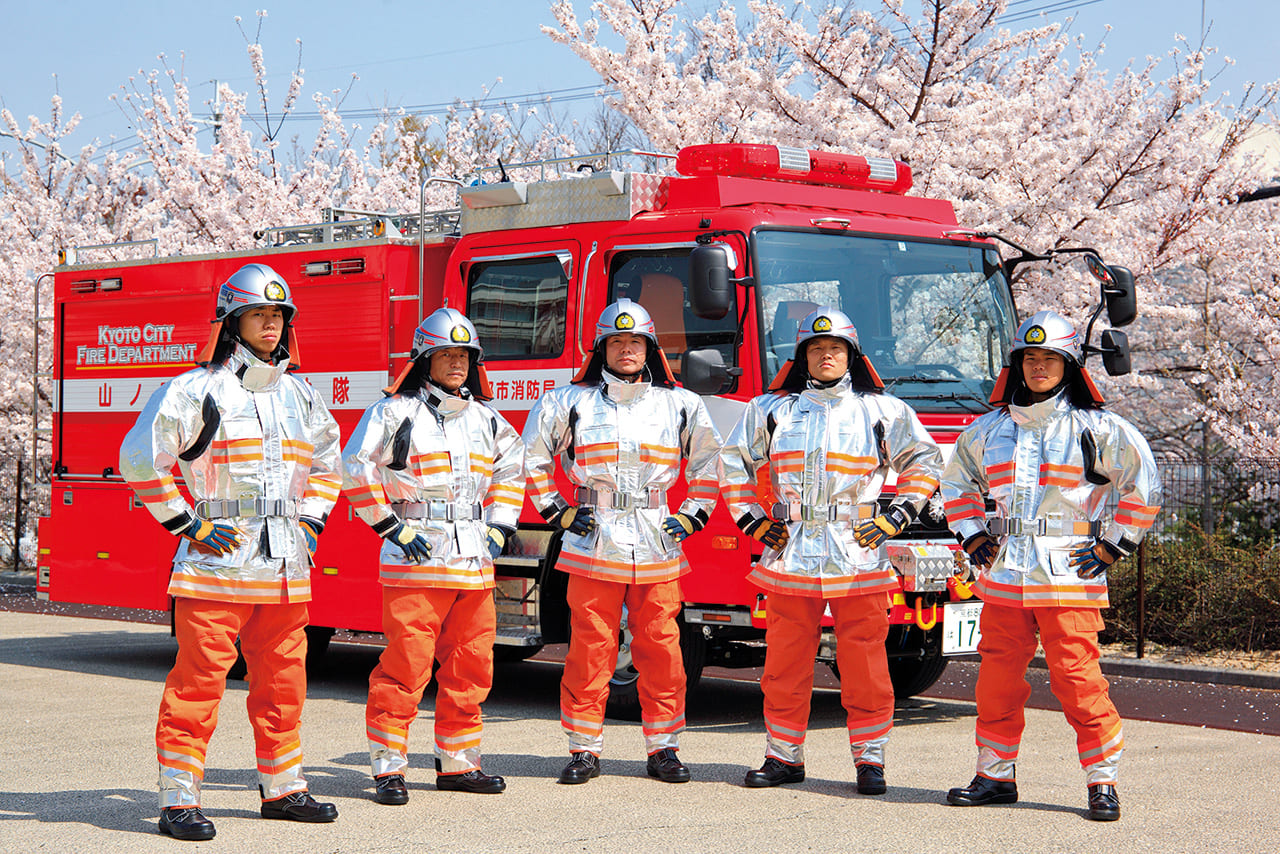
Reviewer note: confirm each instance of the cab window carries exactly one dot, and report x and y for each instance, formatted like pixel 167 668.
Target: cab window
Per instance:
pixel 519 307
pixel 657 280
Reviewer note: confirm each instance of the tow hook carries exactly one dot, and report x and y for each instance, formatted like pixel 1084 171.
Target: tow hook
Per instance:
pixel 927 624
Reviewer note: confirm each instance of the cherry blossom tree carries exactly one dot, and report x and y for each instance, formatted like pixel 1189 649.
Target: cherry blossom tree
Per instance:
pixel 190 195
pixel 1028 135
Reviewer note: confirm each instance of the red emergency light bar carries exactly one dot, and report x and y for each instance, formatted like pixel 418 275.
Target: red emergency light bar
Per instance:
pixel 783 163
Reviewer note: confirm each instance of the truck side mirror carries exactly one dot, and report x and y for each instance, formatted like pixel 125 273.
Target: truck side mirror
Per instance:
pixel 710 285
pixel 704 372
pixel 1118 290
pixel 1115 352
pixel 1121 296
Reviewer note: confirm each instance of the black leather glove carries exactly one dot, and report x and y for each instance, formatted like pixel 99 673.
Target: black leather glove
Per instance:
pixel 767 531
pixel 871 533
pixel 576 520
pixel 1092 560
pixel 496 539
pixel 681 525
pixel 311 533
pixel 414 545
pixel 211 536
pixel 982 549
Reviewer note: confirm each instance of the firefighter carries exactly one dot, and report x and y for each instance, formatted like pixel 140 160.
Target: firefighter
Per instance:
pixel 437 474
pixel 258 452
pixel 1052 462
pixel 829 436
pixel 621 430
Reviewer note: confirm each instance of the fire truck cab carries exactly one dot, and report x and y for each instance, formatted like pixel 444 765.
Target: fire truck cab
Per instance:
pixel 727 254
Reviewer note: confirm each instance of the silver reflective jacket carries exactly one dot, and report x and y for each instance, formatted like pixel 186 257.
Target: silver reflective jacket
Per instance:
pixel 624 442
pixel 245 430
pixel 433 455
pixel 1031 461
pixel 828 451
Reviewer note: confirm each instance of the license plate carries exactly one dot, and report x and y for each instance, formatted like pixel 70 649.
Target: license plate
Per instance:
pixel 960 632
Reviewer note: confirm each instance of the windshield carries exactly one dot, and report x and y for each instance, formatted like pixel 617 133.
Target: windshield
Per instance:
pixel 936 319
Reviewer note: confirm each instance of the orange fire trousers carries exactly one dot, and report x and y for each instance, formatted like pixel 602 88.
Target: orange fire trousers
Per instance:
pixel 275 648
pixel 792 633
pixel 595 608
pixel 423 624
pixel 1070 640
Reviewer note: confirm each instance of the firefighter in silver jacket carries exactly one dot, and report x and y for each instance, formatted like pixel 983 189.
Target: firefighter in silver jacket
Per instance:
pixel 829 437
pixel 621 430
pixel 1075 488
pixel 258 452
pixel 438 475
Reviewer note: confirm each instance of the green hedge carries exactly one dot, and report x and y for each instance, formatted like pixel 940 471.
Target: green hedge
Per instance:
pixel 1204 592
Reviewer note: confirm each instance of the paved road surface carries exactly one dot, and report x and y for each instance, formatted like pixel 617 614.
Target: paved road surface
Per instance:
pixel 77 713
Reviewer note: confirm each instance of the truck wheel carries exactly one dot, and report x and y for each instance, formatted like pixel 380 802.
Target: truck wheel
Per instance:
pixel 318 638
pixel 624 685
pixel 510 654
pixel 911 676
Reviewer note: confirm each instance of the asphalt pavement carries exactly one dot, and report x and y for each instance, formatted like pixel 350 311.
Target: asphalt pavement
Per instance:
pixel 77 771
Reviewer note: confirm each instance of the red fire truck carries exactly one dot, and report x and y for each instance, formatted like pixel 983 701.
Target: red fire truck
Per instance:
pixel 727 254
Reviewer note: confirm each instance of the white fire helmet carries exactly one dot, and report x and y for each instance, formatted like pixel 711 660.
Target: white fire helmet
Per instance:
pixel 445 327
pixel 830 322
pixel 1047 330
pixel 624 316
pixel 1050 331
pixel 827 321
pixel 251 286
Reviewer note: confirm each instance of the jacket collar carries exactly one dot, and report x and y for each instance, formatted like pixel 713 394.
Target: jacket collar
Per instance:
pixel 255 374
pixel 621 391
pixel 1034 414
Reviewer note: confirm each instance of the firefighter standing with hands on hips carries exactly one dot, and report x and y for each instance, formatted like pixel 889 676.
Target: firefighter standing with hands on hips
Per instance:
pixel 621 430
pixel 1052 461
pixel 258 452
pixel 829 435
pixel 437 474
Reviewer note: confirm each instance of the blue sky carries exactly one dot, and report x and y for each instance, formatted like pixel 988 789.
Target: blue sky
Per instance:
pixel 429 52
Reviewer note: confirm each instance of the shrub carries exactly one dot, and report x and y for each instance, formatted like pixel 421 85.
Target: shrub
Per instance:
pixel 1203 591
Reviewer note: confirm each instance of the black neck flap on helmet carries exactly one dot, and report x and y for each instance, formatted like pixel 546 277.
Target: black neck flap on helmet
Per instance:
pixel 417 373
pixel 1011 386
pixel 794 375
pixel 655 362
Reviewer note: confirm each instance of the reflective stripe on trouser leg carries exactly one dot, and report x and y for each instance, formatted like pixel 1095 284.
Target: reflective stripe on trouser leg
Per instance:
pixel 861 628
pixel 411 625
pixel 1070 640
pixel 1007 646
pixel 652 610
pixel 791 643
pixel 465 650
pixel 206 633
pixel 274 643
pixel 595 615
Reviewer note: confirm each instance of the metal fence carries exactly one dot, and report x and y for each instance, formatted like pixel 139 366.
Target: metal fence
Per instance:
pixel 1218 495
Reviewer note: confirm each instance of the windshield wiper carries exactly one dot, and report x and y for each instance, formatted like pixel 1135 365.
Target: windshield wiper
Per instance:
pixel 919 378
pixel 966 401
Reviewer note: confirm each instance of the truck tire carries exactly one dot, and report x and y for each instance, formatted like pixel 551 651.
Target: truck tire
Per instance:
pixel 912 674
pixel 624 687
pixel 506 653
pixel 318 638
